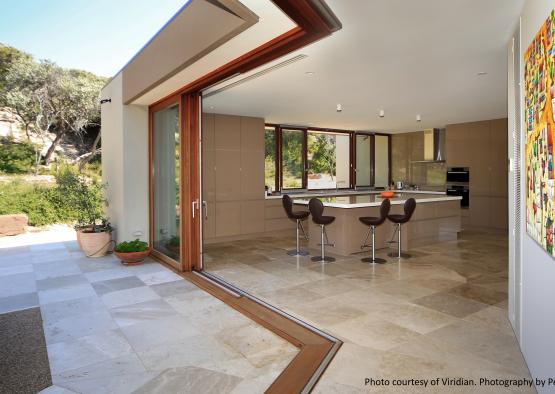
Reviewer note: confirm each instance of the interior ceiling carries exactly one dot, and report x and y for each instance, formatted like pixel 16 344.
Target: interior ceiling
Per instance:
pixel 405 57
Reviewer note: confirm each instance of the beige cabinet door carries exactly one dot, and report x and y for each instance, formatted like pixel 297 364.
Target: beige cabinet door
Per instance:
pixel 228 175
pixel 478 152
pixel 252 175
pixel 456 145
pixel 480 211
pixel 252 217
pixel 227 131
pixel 252 134
pixel 228 218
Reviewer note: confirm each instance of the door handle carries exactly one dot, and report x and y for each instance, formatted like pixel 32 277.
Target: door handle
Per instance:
pixel 194 207
pixel 205 205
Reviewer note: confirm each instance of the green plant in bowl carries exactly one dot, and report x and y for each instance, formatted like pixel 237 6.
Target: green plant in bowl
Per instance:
pixel 132 252
pixel 131 246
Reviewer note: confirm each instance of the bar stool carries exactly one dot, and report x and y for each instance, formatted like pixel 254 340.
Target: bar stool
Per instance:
pixel 409 207
pixel 316 208
pixel 372 222
pixel 298 216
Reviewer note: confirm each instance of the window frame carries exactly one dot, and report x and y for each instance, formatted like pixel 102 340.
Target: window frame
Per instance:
pixel 304 153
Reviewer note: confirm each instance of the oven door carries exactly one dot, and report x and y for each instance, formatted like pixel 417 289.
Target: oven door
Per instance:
pixel 458 176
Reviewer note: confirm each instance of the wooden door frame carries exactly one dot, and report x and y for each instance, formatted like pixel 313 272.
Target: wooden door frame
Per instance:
pixel 314 21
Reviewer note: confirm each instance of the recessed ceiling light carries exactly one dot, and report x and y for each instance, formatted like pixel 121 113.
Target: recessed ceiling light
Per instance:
pixel 382 113
pixel 418 118
pixel 310 73
pixel 339 108
pixel 211 107
pixel 481 73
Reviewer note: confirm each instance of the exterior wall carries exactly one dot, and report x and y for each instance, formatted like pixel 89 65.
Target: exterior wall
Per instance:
pixel 537 301
pixel 125 163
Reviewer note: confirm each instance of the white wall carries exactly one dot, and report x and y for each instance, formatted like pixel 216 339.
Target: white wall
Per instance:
pixel 125 163
pixel 538 268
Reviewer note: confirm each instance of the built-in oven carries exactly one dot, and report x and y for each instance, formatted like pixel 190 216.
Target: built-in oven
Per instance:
pixel 460 190
pixel 458 175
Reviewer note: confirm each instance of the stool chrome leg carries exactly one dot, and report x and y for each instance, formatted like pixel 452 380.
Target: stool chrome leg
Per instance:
pixel 323 258
pixel 373 259
pixel 298 251
pixel 399 254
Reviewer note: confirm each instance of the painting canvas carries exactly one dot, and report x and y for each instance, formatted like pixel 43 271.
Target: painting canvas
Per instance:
pixel 539 79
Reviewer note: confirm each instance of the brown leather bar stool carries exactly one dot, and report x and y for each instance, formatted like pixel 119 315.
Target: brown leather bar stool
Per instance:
pixel 298 216
pixel 316 208
pixel 372 222
pixel 409 207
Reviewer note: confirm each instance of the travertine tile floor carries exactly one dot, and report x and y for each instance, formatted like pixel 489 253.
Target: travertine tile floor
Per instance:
pixel 116 329
pixel 442 313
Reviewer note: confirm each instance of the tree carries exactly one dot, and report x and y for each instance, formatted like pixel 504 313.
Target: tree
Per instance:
pixel 19 81
pixel 48 98
pixel 322 148
pixel 73 99
pixel 8 56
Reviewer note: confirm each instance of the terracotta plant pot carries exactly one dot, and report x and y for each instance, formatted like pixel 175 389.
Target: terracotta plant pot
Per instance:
pixel 132 258
pixel 78 231
pixel 95 244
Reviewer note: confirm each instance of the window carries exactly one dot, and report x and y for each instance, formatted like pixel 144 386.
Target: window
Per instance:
pixel 319 159
pixel 328 156
pixel 166 182
pixel 270 158
pixel 292 142
pixel 381 164
pixel 364 160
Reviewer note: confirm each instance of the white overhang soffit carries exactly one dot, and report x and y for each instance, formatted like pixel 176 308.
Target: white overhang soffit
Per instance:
pixel 204 36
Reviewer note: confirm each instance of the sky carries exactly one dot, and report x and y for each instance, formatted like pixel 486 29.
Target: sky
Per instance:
pixel 100 36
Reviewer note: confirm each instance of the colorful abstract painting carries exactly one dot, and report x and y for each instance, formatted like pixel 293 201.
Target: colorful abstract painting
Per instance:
pixel 539 79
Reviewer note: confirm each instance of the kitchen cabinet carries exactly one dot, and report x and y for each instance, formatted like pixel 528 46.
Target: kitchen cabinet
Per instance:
pixel 233 175
pixel 482 147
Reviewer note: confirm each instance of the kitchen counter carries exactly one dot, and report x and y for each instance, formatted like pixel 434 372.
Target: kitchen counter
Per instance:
pixel 333 192
pixel 437 218
pixel 375 199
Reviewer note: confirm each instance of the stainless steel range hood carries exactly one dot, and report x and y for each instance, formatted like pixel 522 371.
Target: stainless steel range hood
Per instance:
pixel 434 146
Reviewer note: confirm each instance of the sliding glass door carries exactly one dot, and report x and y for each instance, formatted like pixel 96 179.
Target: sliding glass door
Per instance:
pixel 166 182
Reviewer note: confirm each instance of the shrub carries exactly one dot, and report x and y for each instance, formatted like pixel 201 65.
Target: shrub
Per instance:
pixel 131 246
pixel 85 196
pixel 16 157
pixel 42 204
pixel 73 199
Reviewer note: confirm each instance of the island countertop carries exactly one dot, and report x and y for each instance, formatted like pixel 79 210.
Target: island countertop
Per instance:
pixel 333 192
pixel 374 199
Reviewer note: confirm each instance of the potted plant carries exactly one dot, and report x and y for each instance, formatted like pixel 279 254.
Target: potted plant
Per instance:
pixel 132 252
pixel 96 239
pixel 94 232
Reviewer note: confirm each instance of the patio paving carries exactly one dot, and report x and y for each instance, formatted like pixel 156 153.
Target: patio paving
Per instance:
pixel 116 329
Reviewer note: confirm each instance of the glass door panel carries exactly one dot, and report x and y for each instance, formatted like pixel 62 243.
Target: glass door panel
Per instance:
pixel 363 160
pixel 166 182
pixel 292 158
pixel 381 152
pixel 328 157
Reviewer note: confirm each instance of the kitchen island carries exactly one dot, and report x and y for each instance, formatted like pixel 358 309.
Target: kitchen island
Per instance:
pixel 437 218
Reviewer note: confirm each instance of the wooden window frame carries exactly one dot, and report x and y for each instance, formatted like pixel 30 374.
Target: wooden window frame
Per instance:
pixel 352 155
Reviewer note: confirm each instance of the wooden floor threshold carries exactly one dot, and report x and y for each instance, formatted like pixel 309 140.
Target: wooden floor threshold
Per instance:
pixel 317 348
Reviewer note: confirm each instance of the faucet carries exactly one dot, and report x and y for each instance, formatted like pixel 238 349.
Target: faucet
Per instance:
pixel 337 185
